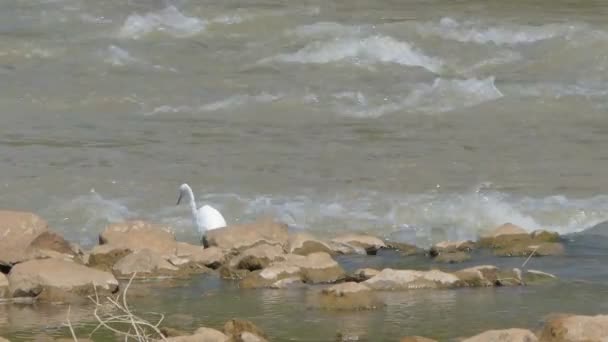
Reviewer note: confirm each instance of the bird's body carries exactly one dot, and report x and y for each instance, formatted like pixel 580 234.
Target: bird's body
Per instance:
pixel 206 217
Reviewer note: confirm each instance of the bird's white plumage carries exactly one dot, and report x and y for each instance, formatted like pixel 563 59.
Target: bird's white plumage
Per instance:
pixel 206 217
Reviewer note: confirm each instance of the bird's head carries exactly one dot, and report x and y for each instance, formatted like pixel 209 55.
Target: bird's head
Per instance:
pixel 183 189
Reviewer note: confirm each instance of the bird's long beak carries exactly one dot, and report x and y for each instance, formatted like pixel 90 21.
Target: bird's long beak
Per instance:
pixel 179 198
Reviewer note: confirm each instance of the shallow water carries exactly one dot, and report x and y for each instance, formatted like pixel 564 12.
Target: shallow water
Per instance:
pixel 414 120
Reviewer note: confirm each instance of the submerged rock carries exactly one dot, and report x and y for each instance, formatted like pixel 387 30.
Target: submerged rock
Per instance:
pixel 348 296
pixel 506 335
pixel 574 328
pixel 212 257
pixel 390 279
pixel 18 230
pixel 244 236
pixel 103 257
pixel 138 235
pixel 371 244
pixel 404 249
pixel 304 244
pixel 58 280
pixel 453 257
pixel 241 330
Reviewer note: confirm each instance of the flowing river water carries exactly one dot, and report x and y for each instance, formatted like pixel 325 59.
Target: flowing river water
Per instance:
pixel 411 120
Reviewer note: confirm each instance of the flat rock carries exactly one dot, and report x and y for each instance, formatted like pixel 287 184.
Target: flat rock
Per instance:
pixel 390 279
pixel 258 257
pixel 348 296
pixel 575 328
pixel 149 264
pixel 4 287
pixel 345 248
pixel 452 246
pixel 104 257
pixel 212 257
pixel 17 230
pixel 58 280
pixel 138 235
pixel 371 244
pixel 314 268
pixel 506 335
pixel 236 328
pixel 244 236
pixel 304 244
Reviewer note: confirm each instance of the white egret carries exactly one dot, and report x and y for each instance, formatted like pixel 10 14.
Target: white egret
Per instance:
pixel 205 218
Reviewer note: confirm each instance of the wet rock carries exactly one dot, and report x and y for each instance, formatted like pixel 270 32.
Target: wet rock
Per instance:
pixel 314 268
pixel 304 244
pixel 17 231
pixel 575 328
pixel 258 257
pixel 348 296
pixel 227 272
pixel 344 248
pixel 58 280
pixel 479 276
pixel 541 235
pixel 149 264
pixel 212 257
pixel 505 235
pixel 103 257
pixel 52 245
pixel 371 244
pixel 288 283
pixel 507 335
pixel 172 332
pixel 138 235
pixel 416 339
pixel 511 240
pixel 527 248
pixel 404 249
pixel 390 279
pixel 452 246
pixel 364 274
pixel 241 330
pixel 453 257
pixel 244 236
pixel 4 287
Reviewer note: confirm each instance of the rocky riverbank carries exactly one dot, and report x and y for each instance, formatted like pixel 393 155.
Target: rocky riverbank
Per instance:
pixel 39 265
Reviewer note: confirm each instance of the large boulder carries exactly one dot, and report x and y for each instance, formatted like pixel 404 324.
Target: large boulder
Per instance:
pixel 506 335
pixel 244 236
pixel 52 245
pixel 512 240
pixel 58 280
pixel 505 234
pixel 212 257
pixel 137 235
pixel 390 279
pixel 104 257
pixel 371 244
pixel 258 257
pixel 4 287
pixel 348 296
pixel 146 263
pixel 314 268
pixel 479 276
pixel 240 330
pixel 304 244
pixel 574 328
pixel 17 230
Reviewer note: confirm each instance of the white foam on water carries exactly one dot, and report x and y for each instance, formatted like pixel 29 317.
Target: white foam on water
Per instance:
pixel 440 96
pixel 169 20
pixel 479 33
pixel 360 51
pixel 119 57
pixel 328 28
pixel 239 101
